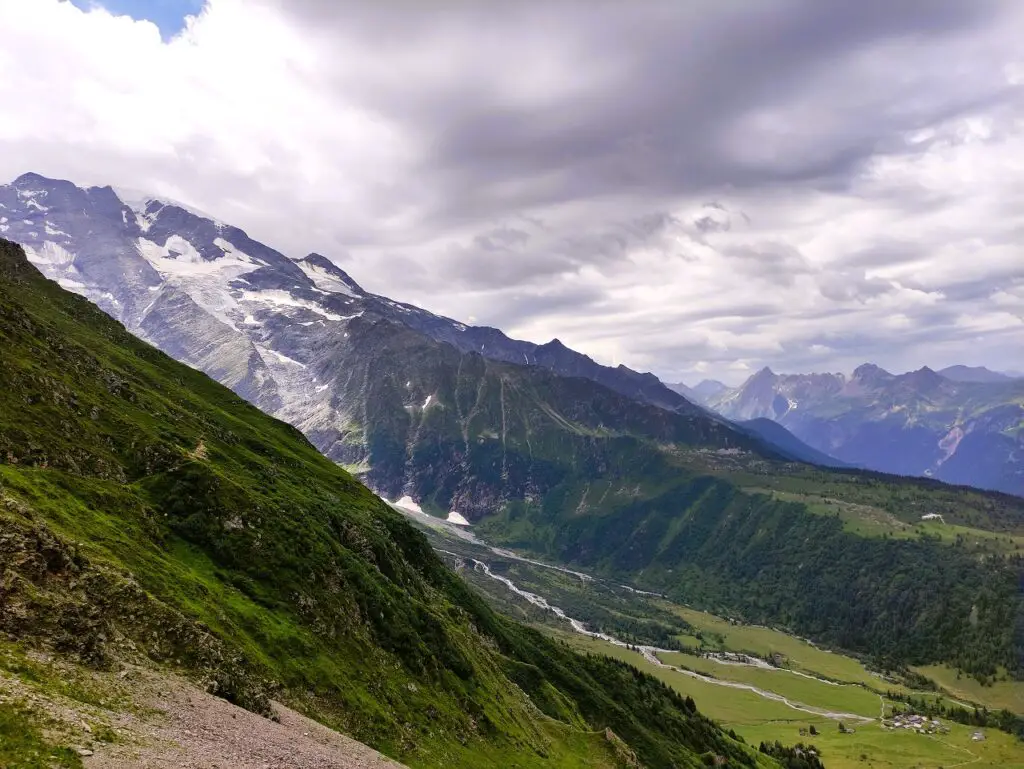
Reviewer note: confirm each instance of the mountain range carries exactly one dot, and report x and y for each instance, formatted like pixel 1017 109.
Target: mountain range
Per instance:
pixel 265 325
pixel 961 425
pixel 540 447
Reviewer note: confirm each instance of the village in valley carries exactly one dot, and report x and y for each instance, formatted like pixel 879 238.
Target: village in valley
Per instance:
pixel 916 723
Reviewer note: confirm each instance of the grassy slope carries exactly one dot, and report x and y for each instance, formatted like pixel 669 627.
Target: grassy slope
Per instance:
pixel 146 510
pixel 711 538
pixel 685 505
pixel 849 686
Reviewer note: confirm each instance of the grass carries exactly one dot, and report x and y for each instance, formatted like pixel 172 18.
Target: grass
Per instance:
pixel 871 747
pixel 871 521
pixel 847 698
pixel 151 513
pixel 24 744
pixel 54 678
pixel 758 719
pixel 879 502
pixel 800 655
pixel 1004 694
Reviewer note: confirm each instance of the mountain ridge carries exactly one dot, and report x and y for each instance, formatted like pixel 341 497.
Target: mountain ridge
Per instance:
pixel 264 324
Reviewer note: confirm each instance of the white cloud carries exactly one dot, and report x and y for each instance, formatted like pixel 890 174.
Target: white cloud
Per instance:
pixel 872 198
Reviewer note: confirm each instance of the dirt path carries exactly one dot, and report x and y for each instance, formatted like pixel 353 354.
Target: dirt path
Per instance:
pixel 189 729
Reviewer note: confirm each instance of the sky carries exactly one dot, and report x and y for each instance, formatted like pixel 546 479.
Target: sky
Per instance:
pixel 698 188
pixel 168 15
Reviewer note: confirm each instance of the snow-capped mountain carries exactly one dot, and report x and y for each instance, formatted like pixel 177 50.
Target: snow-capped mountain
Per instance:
pixel 296 336
pixel 134 255
pixel 959 425
pixel 202 291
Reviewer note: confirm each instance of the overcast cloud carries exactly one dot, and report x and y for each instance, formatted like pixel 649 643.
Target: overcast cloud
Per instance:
pixel 693 188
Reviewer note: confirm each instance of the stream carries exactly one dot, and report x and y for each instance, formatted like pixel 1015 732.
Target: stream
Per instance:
pixel 650 653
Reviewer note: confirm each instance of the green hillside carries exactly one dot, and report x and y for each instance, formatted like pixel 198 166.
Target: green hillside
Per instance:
pixel 688 506
pixel 908 596
pixel 147 512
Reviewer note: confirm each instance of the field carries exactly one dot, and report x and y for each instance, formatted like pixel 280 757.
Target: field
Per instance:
pixel 872 521
pixel 1001 694
pixel 812 687
pixel 758 719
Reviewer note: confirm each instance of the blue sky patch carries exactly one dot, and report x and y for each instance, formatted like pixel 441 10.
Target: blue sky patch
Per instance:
pixel 168 15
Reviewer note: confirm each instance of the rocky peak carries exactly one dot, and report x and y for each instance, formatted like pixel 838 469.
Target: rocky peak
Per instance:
pixel 923 379
pixel 870 374
pixel 764 375
pixel 555 345
pixel 32 181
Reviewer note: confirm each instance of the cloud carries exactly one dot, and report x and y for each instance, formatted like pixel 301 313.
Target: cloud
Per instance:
pixel 692 188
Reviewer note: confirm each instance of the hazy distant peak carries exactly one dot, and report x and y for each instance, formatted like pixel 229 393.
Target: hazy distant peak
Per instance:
pixel 980 374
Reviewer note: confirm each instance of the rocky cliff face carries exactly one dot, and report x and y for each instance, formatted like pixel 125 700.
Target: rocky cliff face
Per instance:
pixel 918 423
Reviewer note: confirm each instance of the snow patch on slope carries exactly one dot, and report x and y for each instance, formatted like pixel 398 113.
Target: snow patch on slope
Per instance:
pixel 408 503
pixel 178 257
pixel 281 357
pixel 284 299
pixel 50 256
pixel 324 280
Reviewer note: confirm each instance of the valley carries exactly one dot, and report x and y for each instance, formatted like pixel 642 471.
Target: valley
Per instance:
pixel 761 682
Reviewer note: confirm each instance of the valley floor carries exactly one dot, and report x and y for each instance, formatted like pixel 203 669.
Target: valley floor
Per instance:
pixel 810 688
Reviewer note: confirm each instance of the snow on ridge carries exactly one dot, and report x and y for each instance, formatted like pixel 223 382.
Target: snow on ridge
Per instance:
pixel 323 280
pixel 457 518
pixel 180 264
pixel 137 201
pixel 188 262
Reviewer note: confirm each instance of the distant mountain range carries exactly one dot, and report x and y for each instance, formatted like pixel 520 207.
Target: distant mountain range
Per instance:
pixel 977 374
pixel 702 392
pixel 963 425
